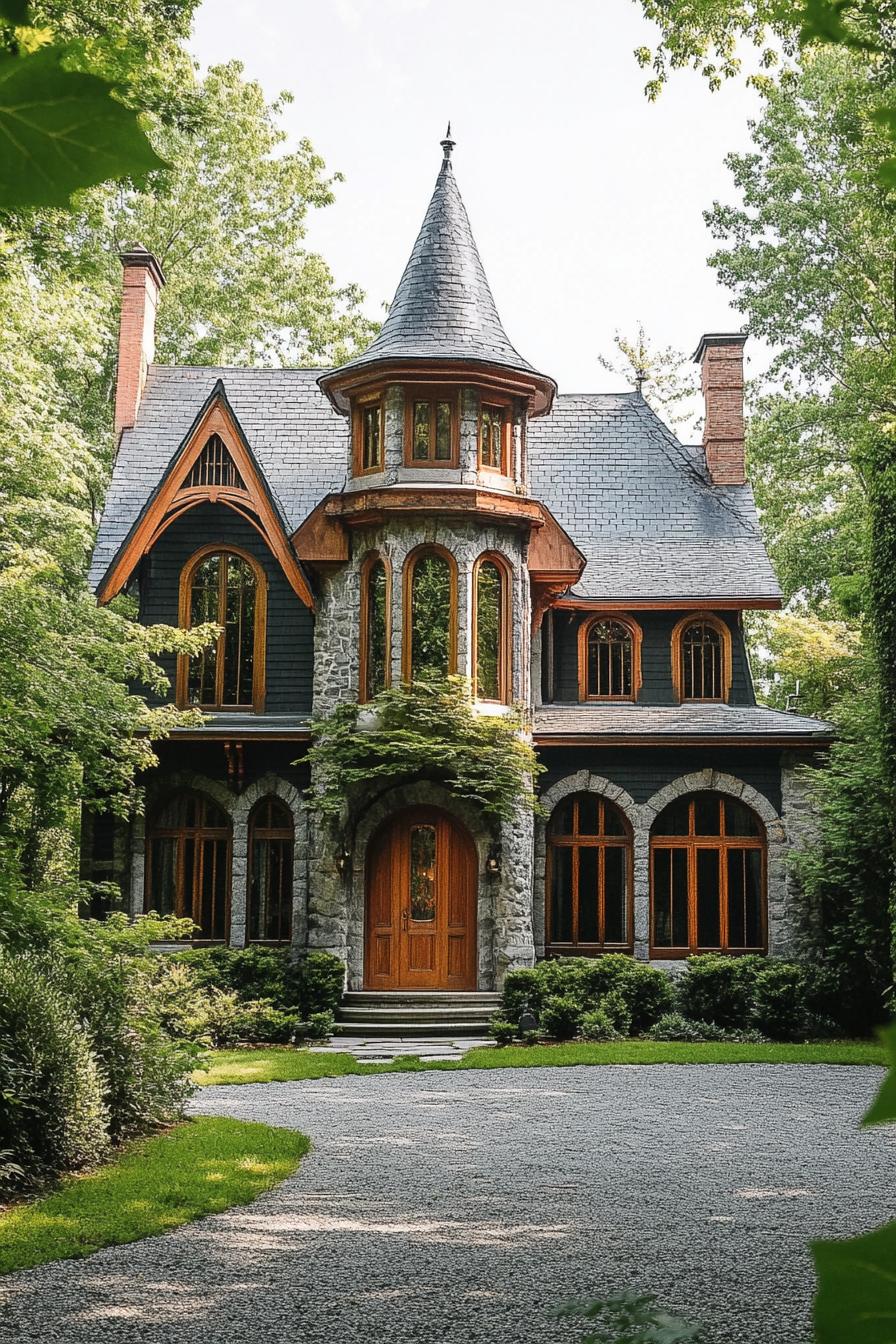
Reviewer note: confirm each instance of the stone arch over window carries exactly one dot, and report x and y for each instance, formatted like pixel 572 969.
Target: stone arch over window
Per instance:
pixel 491 638
pixel 188 862
pixel 589 879
pixel 374 667
pixel 609 658
pixel 429 644
pixel 269 895
pixel 225 586
pixel 583 781
pixel 701 658
pixel 269 786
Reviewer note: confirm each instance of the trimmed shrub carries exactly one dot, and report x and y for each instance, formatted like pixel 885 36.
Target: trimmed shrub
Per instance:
pixel 648 993
pixel 521 988
pixel 320 1026
pixel 780 1007
pixel 718 988
pixel 614 1006
pixel 645 990
pixel 503 1032
pixel 561 1016
pixel 320 979
pixel 677 1027
pixel 599 1026
pixel 251 972
pixel 53 1115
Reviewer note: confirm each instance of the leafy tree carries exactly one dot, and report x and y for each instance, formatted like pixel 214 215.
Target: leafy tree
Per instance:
pixel 796 652
pixel 665 377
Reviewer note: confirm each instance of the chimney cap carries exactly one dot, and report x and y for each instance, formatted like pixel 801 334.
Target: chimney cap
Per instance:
pixel 135 254
pixel 718 338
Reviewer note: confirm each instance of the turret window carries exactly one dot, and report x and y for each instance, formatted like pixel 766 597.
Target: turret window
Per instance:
pixel 375 604
pixel 224 588
pixel 490 614
pixel 368 436
pixel 493 426
pixel 430 430
pixel 430 624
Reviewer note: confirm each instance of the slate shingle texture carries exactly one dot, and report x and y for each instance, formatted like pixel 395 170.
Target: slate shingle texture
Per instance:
pixel 695 720
pixel 640 505
pixel 443 307
pixel 634 500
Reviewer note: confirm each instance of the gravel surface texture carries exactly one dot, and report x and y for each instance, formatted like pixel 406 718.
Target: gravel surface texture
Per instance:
pixel 462 1207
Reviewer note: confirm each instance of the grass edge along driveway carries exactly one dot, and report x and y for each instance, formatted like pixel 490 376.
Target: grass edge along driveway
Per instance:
pixel 282 1064
pixel 199 1167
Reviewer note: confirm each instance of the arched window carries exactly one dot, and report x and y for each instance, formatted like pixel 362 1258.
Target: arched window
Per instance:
pixel 376 591
pixel 701 658
pixel 609 659
pixel 188 864
pixel 430 614
pixel 271 835
pixel 491 640
pixel 225 588
pixel 589 877
pixel 707 877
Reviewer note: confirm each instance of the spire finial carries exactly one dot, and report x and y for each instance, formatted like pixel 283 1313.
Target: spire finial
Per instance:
pixel 447 143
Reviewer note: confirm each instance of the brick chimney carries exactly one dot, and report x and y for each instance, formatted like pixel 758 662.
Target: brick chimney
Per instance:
pixel 142 281
pixel 721 359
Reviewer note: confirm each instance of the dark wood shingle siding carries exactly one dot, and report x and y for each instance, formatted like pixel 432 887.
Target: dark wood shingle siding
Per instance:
pixel 290 625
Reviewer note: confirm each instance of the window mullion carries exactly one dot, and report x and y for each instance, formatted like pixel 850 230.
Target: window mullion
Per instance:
pixel 221 641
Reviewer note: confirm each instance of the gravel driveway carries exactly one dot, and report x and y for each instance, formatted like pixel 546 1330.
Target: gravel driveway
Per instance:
pixel 463 1207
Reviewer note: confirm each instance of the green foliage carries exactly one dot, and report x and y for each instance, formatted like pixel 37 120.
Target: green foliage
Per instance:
pixel 250 972
pixel 598 1025
pixel 320 983
pixel 427 730
pixel 53 1114
pixel 666 378
pixel 845 876
pixel 883 1109
pixel 631 994
pixel 320 1026
pixel 561 1016
pixel 719 989
pixel 677 1027
pixel 780 1006
pixel 630 1318
pixel 63 131
pixel 503 1032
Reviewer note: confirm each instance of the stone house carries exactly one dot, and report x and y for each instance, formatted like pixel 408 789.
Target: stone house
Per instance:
pixel 575 558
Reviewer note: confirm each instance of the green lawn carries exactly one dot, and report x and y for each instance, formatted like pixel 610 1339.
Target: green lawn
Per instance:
pixel 200 1167
pixel 280 1064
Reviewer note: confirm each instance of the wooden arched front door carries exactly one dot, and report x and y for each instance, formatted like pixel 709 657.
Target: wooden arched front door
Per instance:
pixel 421 904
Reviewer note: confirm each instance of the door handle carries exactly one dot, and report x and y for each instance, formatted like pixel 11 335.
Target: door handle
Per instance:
pixel 405 916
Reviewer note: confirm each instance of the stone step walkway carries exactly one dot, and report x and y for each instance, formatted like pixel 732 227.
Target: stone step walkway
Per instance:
pixel 370 1050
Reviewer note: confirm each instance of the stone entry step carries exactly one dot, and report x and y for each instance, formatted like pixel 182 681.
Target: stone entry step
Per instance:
pixel 416 1014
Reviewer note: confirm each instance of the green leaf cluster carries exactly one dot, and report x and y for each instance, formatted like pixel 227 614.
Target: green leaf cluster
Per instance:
pixel 425 730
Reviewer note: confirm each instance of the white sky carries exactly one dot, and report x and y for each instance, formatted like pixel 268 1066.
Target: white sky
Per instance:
pixel 585 199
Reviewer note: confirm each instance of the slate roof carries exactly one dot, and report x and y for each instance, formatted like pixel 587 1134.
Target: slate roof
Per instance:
pixel 640 506
pixel 443 307
pixel 300 442
pixel 676 721
pixel 633 499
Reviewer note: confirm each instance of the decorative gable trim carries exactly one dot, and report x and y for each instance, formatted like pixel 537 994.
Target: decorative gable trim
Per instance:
pixel 214 464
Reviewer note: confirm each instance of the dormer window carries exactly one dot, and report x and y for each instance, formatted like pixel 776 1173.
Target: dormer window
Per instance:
pixel 701 658
pixel 494 423
pixel 609 659
pixel 368 436
pixel 430 429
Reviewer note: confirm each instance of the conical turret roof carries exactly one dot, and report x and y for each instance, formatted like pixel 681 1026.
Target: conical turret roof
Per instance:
pixel 443 309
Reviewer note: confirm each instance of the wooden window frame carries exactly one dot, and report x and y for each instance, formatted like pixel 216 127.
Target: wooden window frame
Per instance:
pixel 259 654
pixel 635 633
pixel 505 645
pixel 199 834
pixel 722 844
pixel 505 404
pixel 575 842
pixel 359 406
pixel 433 396
pixel 407 624
pixel 701 618
pixel 373 558
pixel 277 833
